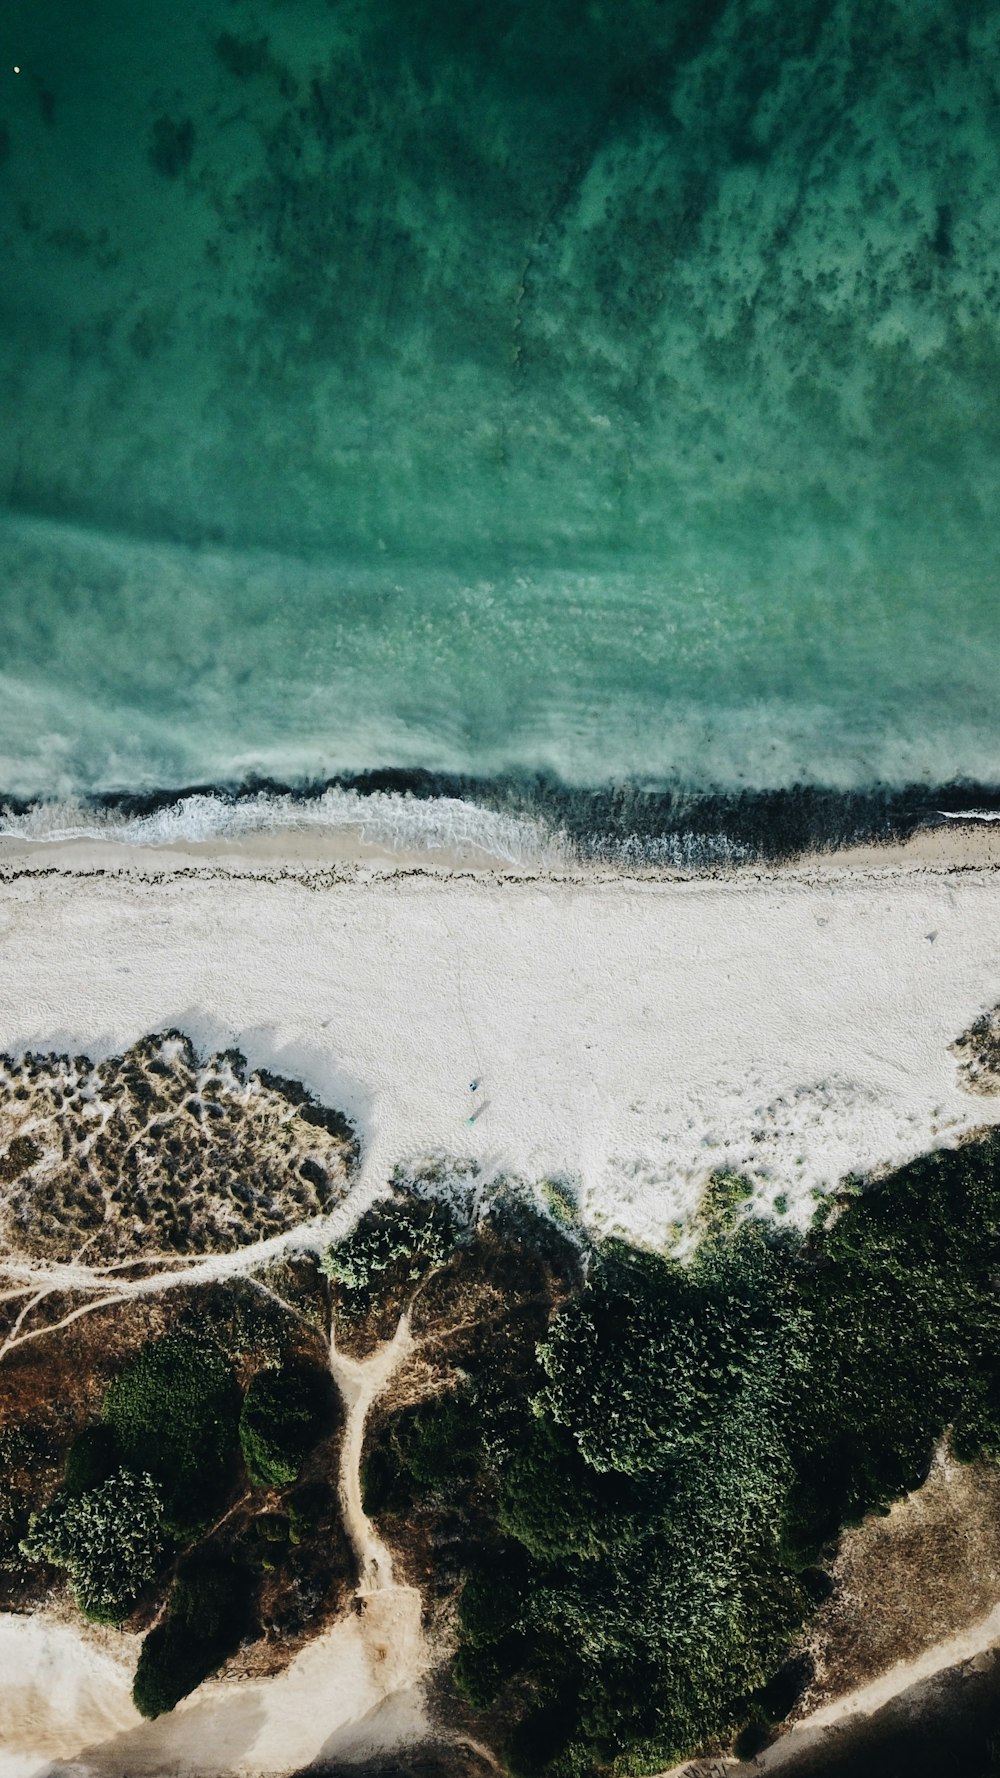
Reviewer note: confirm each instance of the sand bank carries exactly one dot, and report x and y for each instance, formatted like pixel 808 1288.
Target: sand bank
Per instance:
pixel 631 1035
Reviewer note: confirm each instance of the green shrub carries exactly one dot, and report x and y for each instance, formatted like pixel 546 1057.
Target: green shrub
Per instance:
pixel 722 1197
pixel 284 1413
pixel 905 1340
pixel 432 1447
pixel 271 1528
pixel 204 1623
pixel 398 1241
pixel 552 1503
pixel 307 1508
pixel 439 1440
pixel 109 1540
pixel 174 1412
pixel 640 1365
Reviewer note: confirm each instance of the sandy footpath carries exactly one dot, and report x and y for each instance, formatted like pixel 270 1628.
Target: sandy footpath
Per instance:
pixel 632 1035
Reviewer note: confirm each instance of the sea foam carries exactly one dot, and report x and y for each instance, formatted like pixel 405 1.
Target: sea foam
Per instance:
pixel 386 821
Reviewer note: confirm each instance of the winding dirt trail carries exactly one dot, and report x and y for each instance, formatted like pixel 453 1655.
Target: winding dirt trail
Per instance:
pixel 361 1382
pixel 33 1281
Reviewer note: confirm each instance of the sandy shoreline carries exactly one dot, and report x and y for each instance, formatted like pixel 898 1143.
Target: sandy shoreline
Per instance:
pixel 949 846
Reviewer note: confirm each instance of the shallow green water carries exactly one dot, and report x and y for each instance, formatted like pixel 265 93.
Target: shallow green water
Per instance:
pixel 612 388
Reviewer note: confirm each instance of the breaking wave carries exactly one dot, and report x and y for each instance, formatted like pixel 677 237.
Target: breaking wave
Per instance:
pixel 384 821
pixel 520 823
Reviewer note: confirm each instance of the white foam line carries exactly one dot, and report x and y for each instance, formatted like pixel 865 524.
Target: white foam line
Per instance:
pixel 388 819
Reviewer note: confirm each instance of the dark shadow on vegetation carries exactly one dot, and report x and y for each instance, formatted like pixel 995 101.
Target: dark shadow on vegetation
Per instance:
pixel 205 1621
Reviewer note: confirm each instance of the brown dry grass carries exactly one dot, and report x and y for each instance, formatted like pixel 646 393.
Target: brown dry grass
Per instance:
pixel 978 1052
pixel 155 1152
pixel 927 1571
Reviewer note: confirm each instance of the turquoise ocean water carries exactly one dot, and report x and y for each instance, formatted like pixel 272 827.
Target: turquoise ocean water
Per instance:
pixel 604 390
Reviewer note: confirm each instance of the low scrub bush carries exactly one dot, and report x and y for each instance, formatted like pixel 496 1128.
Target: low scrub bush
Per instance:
pixel 109 1539
pixel 174 1412
pixel 395 1243
pixel 284 1414
pixel 19 1155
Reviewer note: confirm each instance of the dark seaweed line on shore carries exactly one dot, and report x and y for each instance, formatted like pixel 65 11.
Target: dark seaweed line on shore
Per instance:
pixel 630 822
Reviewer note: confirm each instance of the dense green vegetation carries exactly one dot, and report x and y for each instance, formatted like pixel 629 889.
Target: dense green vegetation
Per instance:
pixel 633 1480
pixel 638 1504
pixel 284 1414
pixel 202 1625
pixel 109 1539
pixel 143 1487
pixel 174 1411
pixel 644 1508
pixel 904 1338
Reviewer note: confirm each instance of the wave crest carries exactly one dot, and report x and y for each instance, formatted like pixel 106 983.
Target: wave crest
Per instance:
pixel 384 820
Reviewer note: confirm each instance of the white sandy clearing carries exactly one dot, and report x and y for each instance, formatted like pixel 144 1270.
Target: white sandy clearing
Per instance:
pixel 631 1035
pixel 354 1690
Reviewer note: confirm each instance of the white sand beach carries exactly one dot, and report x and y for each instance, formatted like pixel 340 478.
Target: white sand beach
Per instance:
pixel 630 1036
